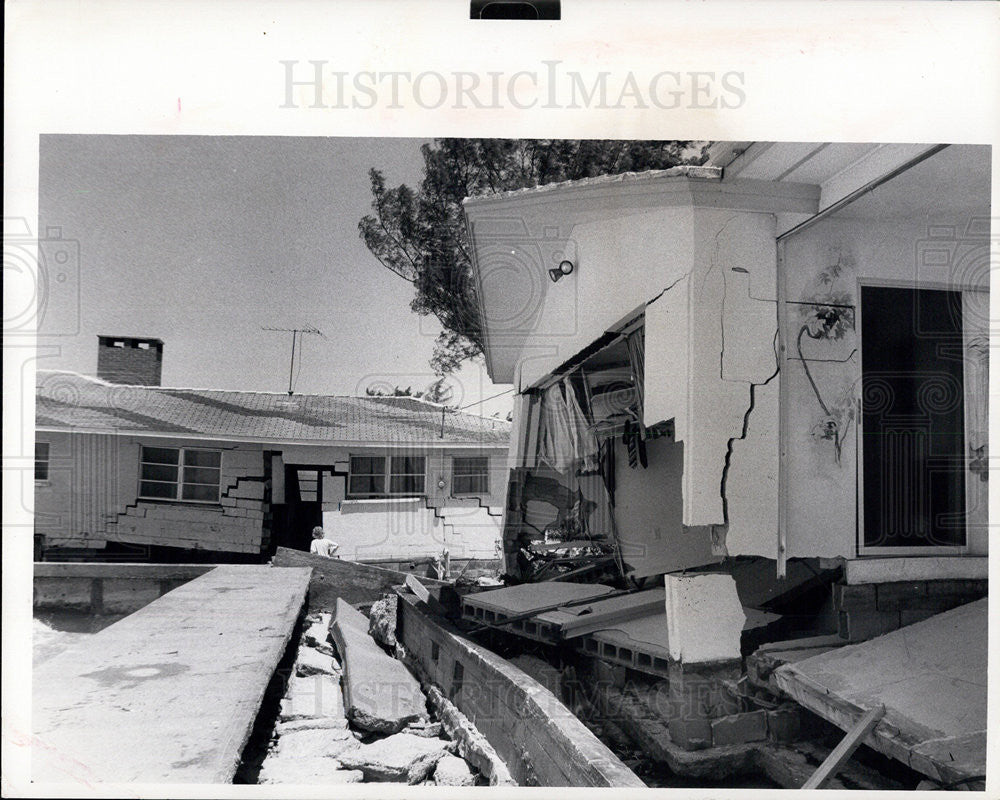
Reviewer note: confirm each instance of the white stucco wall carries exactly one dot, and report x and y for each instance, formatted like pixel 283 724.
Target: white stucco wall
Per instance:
pixel 822 494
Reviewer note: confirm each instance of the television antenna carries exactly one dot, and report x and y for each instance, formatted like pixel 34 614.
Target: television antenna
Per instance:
pixel 295 334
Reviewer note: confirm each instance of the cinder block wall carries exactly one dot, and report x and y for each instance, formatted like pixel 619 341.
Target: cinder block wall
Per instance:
pixel 539 739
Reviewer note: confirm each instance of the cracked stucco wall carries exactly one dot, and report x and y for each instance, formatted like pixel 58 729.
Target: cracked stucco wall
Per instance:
pixel 711 366
pixel 822 492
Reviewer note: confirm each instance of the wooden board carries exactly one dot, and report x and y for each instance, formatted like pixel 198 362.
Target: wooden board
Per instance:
pixel 171 692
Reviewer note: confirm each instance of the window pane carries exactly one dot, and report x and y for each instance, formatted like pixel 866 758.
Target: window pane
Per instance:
pixel 41 461
pixel 367 485
pixel 407 465
pixel 202 458
pixel 470 484
pixel 196 492
pixel 150 489
pixel 201 475
pixel 406 484
pixel 160 455
pixel 367 465
pixel 159 472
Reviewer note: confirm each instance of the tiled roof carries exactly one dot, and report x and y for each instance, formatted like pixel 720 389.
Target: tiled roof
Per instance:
pixel 68 401
pixel 684 170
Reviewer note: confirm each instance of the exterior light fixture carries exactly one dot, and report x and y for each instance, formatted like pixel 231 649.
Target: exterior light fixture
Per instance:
pixel 565 268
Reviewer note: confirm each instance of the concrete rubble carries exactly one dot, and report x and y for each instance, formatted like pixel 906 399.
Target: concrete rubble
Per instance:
pixel 401 757
pixel 382 621
pixel 453 771
pixel 316 740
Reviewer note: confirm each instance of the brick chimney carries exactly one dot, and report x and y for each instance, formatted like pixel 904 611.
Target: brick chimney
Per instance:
pixel 129 359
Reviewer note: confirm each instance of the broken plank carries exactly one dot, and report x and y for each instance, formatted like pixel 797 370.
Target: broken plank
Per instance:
pixel 846 748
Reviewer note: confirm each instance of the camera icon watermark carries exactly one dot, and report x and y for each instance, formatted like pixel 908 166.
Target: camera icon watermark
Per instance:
pixel 41 281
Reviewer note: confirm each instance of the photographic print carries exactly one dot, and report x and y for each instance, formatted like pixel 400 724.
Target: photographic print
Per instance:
pixel 396 449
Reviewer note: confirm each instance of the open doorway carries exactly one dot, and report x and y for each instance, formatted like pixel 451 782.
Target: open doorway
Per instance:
pixel 912 494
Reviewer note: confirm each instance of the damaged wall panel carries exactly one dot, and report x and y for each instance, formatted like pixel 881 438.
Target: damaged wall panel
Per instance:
pixel 709 339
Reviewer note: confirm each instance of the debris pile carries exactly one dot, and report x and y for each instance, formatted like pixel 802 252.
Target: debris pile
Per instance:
pixel 352 713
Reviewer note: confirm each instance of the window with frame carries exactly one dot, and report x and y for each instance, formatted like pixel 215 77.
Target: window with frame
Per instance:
pixel 41 461
pixel 188 474
pixel 381 476
pixel 470 475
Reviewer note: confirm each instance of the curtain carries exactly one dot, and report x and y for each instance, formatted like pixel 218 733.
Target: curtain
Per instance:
pixel 585 449
pixel 555 439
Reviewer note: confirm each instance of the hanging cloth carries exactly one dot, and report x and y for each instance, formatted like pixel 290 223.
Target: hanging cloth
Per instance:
pixel 636 345
pixel 585 449
pixel 555 440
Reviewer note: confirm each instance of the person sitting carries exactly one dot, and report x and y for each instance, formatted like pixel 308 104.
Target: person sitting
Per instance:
pixel 322 546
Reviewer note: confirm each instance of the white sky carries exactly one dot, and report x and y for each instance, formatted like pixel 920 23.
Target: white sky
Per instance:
pixel 202 241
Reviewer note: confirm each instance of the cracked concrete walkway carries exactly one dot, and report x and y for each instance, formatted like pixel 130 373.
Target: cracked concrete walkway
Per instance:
pixel 171 692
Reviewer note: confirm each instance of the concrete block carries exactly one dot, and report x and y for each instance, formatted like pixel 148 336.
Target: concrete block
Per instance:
pixel 849 597
pixel 858 626
pixel 691 734
pixel 784 724
pixel 973 589
pixel 704 617
pixel 896 596
pixel 750 726
pixel 251 490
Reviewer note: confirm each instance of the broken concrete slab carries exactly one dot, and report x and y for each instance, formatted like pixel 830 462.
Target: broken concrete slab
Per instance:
pixel 401 758
pixel 311 723
pixel 315 770
pixel 316 743
pixel 704 617
pixel 380 694
pixel 318 634
pixel 312 696
pixel 495 604
pixel 382 621
pixel 453 771
pixel 310 661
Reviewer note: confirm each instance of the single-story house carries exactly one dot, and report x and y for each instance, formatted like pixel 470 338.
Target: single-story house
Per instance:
pixel 122 471
pixel 782 354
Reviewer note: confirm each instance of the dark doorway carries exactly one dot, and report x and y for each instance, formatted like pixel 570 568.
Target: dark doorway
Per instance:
pixel 302 510
pixel 913 418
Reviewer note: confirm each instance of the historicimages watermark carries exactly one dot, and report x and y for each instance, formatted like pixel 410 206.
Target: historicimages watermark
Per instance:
pixel 317 84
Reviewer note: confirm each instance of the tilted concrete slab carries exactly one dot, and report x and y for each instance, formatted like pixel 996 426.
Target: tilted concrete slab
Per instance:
pixel 171 692
pixel 930 676
pixel 528 597
pixel 380 694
